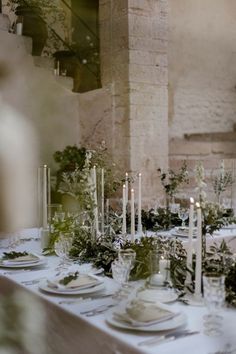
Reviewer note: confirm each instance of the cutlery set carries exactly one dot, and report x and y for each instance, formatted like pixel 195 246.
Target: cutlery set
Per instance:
pixel 167 337
pixel 84 298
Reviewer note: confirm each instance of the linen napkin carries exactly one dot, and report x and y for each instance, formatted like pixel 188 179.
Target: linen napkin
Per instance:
pixel 83 281
pixel 139 314
pixel 184 230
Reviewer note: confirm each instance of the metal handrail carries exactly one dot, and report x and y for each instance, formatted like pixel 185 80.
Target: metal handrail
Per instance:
pixel 80 19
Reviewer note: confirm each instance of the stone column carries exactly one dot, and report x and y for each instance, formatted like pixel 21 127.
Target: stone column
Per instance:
pixel 133 38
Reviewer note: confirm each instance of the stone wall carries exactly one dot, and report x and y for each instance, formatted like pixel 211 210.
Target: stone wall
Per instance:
pixel 202 70
pixel 133 38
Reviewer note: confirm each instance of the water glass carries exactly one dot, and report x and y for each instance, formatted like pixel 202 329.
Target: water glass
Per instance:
pixel 214 296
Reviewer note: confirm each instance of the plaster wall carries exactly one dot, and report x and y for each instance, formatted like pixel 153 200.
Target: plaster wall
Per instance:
pixel 202 70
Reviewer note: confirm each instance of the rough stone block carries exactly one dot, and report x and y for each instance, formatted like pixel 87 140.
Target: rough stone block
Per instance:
pixel 104 11
pixel 185 148
pixel 140 26
pixel 148 74
pixel 152 45
pixel 141 7
pixel 148 58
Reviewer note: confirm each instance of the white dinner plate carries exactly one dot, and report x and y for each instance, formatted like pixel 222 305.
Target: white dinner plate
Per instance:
pixel 175 322
pixel 157 295
pixel 93 289
pixel 11 264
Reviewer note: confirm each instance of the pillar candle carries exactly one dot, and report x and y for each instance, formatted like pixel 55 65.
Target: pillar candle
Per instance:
pixel 124 211
pixel 95 200
pixel 132 217
pixel 198 270
pixel 102 201
pixel 140 203
pixel 127 187
pixel 190 241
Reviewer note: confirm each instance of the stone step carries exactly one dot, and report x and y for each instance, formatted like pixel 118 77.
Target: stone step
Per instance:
pixel 44 62
pixel 183 148
pixel 212 137
pixel 21 43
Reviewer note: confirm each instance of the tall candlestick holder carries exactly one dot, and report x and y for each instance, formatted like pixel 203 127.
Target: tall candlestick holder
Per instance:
pixel 44 199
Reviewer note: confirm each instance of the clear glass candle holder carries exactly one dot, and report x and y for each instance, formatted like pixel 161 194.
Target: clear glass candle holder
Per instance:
pixel 214 297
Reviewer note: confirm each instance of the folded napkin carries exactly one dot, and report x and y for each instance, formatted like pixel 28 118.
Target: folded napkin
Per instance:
pixel 22 259
pixel 184 230
pixel 83 281
pixel 139 314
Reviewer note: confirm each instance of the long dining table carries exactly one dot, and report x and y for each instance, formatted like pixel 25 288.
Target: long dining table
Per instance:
pixel 65 329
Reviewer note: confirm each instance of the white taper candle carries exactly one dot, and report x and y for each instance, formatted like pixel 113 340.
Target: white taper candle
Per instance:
pixel 124 211
pixel 198 270
pixel 140 228
pixel 190 241
pixel 132 217
pixel 95 200
pixel 102 201
pixel 127 187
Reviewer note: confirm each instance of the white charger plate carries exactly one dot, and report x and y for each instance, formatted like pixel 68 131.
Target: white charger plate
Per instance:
pixel 93 289
pixel 175 322
pixel 25 264
pixel 157 295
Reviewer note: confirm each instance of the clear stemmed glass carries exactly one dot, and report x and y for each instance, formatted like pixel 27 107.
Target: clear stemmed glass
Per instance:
pixel 120 272
pixel 62 248
pixel 127 256
pixel 183 215
pixel 214 296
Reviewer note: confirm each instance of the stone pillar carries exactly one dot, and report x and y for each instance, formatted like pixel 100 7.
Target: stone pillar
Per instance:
pixel 133 37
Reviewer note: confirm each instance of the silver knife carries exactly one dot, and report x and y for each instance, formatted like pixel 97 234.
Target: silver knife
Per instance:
pixel 167 338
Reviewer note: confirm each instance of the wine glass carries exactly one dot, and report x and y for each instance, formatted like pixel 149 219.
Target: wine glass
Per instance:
pixel 214 296
pixel 62 249
pixel 183 215
pixel 127 256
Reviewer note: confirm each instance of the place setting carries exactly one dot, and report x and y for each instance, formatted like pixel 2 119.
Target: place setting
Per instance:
pixel 138 315
pixel 24 259
pixel 72 283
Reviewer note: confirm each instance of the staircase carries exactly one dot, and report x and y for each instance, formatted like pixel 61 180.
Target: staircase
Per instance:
pixel 35 92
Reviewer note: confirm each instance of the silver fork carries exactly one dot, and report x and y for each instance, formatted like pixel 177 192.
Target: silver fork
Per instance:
pixel 32 282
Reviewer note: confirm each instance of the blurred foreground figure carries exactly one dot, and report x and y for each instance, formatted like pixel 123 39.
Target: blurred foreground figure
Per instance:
pixel 18 166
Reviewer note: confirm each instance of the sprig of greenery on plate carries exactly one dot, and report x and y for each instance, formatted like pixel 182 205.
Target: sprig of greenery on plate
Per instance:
pixel 67 279
pixel 14 254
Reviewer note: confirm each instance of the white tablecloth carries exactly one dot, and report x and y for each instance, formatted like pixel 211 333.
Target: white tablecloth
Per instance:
pixel 73 333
